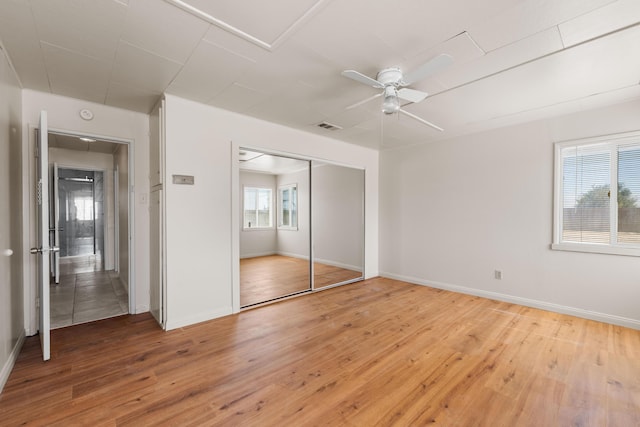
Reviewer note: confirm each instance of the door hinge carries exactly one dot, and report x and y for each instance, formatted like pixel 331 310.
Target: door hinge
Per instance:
pixel 37 302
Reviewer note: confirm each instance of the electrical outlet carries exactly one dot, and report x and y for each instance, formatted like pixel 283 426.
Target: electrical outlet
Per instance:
pixel 498 274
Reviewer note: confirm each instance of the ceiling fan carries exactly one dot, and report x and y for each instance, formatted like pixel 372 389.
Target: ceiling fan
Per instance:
pixel 393 83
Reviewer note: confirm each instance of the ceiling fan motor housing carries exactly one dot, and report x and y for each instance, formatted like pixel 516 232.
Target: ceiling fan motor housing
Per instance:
pixel 390 77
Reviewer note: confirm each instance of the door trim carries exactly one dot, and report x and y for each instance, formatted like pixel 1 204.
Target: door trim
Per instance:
pixel 29 230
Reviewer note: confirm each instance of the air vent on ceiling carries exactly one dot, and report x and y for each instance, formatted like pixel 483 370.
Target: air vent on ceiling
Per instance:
pixel 328 126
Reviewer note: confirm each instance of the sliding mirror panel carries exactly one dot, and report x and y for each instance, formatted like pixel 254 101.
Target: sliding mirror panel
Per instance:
pixel 337 201
pixel 274 227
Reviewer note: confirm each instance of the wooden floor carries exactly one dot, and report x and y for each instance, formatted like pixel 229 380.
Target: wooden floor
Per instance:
pixel 268 277
pixel 378 352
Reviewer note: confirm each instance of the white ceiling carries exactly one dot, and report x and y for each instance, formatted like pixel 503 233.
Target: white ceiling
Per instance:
pixel 514 60
pixel 72 142
pixel 254 161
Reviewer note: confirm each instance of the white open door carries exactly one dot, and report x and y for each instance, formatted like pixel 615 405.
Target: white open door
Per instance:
pixel 56 224
pixel 43 248
pixel 156 254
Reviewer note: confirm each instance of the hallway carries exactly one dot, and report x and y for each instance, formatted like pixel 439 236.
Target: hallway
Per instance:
pixel 86 293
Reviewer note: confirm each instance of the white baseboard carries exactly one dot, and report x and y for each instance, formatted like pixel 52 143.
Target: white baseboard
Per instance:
pixel 304 257
pixel 543 305
pixel 11 361
pixel 338 264
pixel 197 318
pixel 257 254
pixel 143 308
pixel 292 255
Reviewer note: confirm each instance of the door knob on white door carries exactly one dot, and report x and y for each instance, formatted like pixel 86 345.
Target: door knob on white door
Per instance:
pixel 7 252
pixel 42 250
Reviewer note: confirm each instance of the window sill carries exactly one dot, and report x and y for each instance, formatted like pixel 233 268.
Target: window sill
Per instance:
pixel 284 227
pixel 596 249
pixel 258 229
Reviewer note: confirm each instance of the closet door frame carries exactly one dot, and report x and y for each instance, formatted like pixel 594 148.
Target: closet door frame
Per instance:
pixel 236 194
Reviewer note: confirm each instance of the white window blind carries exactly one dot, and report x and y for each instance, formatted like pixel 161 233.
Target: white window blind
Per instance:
pixel 586 183
pixel 629 194
pixel 597 190
pixel 288 207
pixel 257 208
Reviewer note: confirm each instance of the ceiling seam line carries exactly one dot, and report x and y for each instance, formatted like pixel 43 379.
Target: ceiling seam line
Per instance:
pixel 619 30
pixel 220 23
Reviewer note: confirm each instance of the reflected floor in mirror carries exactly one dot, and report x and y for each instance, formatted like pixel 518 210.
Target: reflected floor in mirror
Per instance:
pixel 269 277
pixel 326 275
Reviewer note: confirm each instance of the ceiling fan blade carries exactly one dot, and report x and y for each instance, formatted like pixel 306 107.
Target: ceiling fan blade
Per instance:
pixel 428 68
pixel 359 77
pixel 421 120
pixel 364 101
pixel 412 95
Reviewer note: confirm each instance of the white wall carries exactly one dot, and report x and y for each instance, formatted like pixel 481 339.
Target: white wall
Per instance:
pixel 452 212
pixel 296 243
pixel 108 122
pixel 257 242
pixel 203 141
pixel 11 291
pixel 96 161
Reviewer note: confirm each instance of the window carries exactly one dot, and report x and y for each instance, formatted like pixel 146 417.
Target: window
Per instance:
pixel 83 208
pixel 588 173
pixel 288 207
pixel 257 208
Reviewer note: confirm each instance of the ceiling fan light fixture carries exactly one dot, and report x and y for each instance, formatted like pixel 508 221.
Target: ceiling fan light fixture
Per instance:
pixel 391 104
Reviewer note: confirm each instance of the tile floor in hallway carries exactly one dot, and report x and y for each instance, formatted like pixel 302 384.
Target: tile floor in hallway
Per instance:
pixel 85 296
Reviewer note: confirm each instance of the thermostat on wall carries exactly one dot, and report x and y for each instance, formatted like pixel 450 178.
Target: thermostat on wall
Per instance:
pixel 86 114
pixel 183 179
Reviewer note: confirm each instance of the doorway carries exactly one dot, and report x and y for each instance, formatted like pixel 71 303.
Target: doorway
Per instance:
pixel 89 217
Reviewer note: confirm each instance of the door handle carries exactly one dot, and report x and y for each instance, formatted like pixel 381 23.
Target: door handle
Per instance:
pixel 43 250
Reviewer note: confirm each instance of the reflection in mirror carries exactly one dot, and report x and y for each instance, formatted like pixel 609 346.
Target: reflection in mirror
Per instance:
pixel 337 201
pixel 274 238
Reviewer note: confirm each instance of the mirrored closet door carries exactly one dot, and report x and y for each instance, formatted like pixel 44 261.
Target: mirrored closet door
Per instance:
pixel 275 227
pixel 337 200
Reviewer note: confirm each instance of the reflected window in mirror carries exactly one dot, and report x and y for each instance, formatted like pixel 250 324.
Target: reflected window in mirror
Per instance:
pixel 258 212
pixel 288 207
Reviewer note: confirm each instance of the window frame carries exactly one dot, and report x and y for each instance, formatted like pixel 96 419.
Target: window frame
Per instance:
pixel 244 194
pixel 610 143
pixel 281 189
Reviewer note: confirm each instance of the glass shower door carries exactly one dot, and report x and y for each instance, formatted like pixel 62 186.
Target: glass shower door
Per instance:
pixel 81 200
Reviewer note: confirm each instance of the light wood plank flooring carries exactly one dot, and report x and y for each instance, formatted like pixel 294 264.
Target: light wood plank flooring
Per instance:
pixel 378 352
pixel 268 277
